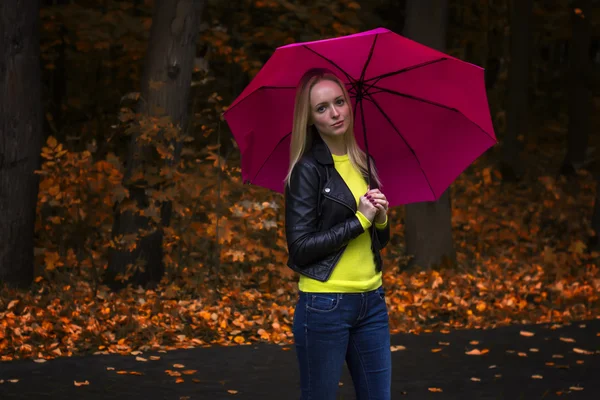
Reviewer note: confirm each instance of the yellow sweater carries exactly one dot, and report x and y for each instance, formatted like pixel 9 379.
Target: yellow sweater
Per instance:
pixel 355 270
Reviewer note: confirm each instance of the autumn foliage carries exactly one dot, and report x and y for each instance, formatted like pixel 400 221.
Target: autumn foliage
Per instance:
pixel 521 247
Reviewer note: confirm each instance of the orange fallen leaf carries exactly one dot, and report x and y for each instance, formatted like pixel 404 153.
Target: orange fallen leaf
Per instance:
pixel 396 348
pixel 576 388
pixel 189 371
pixel 582 351
pixel 521 354
pixel 122 372
pixel 84 383
pixel 39 360
pixel 477 352
pixel 154 358
pixel 232 391
pixel 434 389
pixel 579 361
pixel 549 363
pixel 474 379
pixel 444 343
pixel 534 350
pixel 436 350
pixel 474 342
pixel 179 380
pixel 140 359
pixel 492 367
pixel 178 366
pixel 12 380
pixel 136 373
pixel 537 377
pixel 557 356
pixel 110 368
pixel 568 340
pixel 526 333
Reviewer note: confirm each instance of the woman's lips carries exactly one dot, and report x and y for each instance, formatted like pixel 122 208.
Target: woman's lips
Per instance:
pixel 337 124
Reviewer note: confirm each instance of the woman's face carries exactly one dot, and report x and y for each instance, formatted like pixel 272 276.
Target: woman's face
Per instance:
pixel 328 109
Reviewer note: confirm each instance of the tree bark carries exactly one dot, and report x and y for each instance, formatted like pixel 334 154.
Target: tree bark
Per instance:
pixel 169 61
pixel 580 87
pixel 518 89
pixel 20 137
pixel 428 227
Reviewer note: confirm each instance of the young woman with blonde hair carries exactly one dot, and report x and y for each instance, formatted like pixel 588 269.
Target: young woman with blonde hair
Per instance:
pixel 336 224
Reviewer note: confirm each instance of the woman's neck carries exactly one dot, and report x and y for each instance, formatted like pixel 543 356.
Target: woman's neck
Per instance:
pixel 336 145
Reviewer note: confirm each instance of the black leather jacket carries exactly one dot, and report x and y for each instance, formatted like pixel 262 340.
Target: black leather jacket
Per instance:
pixel 320 215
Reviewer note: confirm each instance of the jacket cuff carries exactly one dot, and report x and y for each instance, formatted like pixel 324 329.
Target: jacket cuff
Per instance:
pixel 364 221
pixel 382 225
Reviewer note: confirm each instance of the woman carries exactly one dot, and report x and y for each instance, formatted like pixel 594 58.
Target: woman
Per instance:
pixel 335 227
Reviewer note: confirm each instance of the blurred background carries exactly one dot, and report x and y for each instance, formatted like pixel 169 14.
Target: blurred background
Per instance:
pixel 137 215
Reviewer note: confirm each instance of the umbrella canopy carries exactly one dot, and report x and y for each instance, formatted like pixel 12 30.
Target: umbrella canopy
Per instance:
pixel 421 114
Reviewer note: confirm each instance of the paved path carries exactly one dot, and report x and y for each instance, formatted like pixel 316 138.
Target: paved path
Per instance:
pixel 267 371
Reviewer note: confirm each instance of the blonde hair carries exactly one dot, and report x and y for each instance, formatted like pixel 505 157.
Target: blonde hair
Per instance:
pixel 301 130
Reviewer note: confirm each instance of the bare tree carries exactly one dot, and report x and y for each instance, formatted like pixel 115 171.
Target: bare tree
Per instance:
pixel 20 137
pixel 518 88
pixel 166 86
pixel 428 227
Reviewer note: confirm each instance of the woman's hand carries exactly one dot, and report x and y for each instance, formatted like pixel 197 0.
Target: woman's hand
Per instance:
pixel 380 202
pixel 367 208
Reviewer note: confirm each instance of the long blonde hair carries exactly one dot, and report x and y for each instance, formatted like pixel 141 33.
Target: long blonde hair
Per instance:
pixel 301 128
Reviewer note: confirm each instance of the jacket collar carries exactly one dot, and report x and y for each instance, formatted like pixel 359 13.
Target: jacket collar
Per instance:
pixel 319 149
pixel 322 154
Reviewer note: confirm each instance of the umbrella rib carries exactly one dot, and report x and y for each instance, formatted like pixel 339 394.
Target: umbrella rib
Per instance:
pixel 433 103
pixel 267 158
pixel 364 70
pixel 350 78
pixel 401 137
pixel 410 96
pixel 400 71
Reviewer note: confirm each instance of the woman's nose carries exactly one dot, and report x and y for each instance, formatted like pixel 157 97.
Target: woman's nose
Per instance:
pixel 334 112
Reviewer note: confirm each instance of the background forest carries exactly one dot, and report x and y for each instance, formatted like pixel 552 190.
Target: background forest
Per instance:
pixel 136 231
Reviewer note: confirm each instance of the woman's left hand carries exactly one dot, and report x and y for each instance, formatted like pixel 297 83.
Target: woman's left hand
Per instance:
pixel 380 202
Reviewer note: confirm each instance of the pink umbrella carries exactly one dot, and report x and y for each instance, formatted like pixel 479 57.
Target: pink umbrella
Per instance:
pixel 421 114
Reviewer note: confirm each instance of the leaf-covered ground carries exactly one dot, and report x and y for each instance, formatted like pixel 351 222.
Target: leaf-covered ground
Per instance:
pixel 522 259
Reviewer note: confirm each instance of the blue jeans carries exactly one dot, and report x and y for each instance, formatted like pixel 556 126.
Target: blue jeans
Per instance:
pixel 332 327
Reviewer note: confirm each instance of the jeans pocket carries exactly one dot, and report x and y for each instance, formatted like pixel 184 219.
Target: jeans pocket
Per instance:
pixel 381 294
pixel 322 302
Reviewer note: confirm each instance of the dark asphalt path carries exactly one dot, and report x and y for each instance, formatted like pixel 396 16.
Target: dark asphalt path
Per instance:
pixel 267 371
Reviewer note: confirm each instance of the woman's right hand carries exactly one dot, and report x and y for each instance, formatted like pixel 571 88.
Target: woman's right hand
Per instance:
pixel 366 207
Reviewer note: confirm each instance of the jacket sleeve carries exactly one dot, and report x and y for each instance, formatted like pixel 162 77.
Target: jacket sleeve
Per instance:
pixel 306 244
pixel 383 234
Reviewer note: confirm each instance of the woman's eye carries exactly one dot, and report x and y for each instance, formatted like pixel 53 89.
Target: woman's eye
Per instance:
pixel 321 109
pixel 340 102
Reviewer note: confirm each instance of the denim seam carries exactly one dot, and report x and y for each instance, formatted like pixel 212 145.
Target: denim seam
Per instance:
pixel 306 350
pixel 364 370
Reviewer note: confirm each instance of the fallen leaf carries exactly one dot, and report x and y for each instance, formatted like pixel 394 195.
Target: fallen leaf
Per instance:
pixel 84 383
pixel 576 388
pixel 178 366
pixel 477 352
pixel 492 367
pixel 39 360
pixel 122 372
pixel 474 342
pixel 579 361
pixel 498 376
pixel 434 389
pixel 568 340
pixel 526 333
pixel 436 350
pixel 534 350
pixel 110 368
pixel 549 363
pixel 179 380
pixel 141 359
pixel 232 391
pixel 557 356
pixel 396 348
pixel 444 343
pixel 537 377
pixel 582 351
pixel 189 371
pixel 521 354
pixel 154 358
pixel 475 379
pixel 135 353
pixel 12 380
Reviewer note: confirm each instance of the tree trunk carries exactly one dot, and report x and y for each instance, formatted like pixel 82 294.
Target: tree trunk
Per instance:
pixel 428 227
pixel 580 87
pixel 20 137
pixel 168 67
pixel 518 89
